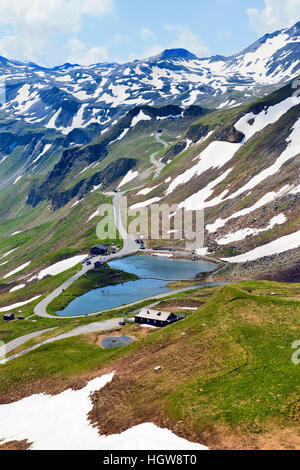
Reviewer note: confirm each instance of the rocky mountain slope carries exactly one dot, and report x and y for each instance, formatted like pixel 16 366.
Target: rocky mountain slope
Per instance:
pixel 242 168
pixel 238 163
pixel 74 97
pixel 46 216
pixel 188 133
pixel 82 169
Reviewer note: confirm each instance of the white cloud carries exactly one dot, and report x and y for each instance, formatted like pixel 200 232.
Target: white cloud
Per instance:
pixel 145 34
pixel 181 37
pixel 187 39
pixel 80 54
pixel 33 28
pixel 275 15
pixel 153 50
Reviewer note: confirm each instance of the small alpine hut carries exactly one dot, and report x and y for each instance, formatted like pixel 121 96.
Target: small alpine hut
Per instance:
pixel 156 317
pixel 99 250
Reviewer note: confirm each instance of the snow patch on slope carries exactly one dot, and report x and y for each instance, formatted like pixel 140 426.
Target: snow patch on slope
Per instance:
pixel 15 271
pixel 46 148
pixel 36 419
pixel 264 118
pixel 140 117
pixel 7 253
pixel 266 199
pixel 61 266
pixel 281 245
pixel 131 175
pixel 246 232
pixel 216 155
pixel 145 203
pixel 18 304
pixel 292 150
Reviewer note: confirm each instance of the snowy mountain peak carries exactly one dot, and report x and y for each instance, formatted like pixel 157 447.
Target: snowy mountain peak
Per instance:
pixel 71 96
pixel 279 39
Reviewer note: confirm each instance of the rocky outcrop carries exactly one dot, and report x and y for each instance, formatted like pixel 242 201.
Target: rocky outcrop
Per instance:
pixel 229 134
pixel 70 158
pixel 197 132
pixel 270 100
pixel 172 152
pixel 195 112
pixel 58 99
pixel 83 136
pixel 111 173
pixel 8 140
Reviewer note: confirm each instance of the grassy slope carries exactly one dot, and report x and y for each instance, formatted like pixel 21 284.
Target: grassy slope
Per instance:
pixel 93 280
pixel 232 370
pixel 53 236
pixel 257 154
pixel 139 143
pixel 48 237
pixel 231 373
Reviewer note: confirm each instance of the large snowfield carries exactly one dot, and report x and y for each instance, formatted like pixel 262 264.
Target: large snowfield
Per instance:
pixel 60 422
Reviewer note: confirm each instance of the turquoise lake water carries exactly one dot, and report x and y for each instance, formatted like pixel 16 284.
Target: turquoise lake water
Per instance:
pixel 109 297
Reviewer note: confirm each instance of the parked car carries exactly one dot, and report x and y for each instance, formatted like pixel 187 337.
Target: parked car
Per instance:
pixel 88 262
pixel 122 323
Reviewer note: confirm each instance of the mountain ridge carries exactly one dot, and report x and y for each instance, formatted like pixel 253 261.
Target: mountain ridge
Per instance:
pixel 71 96
pixel 57 155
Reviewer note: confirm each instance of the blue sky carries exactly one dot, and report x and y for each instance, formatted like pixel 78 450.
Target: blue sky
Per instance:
pixel 89 31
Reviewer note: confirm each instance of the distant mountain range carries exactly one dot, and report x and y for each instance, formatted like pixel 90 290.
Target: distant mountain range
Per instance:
pixel 201 133
pixel 71 96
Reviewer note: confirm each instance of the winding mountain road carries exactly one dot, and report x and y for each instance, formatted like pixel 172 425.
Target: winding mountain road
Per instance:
pixel 159 165
pixel 103 325
pixel 80 330
pixel 15 343
pixel 214 273
pixel 129 245
pixel 129 248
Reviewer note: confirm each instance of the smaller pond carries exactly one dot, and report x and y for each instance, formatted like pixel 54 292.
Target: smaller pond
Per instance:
pixel 115 341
